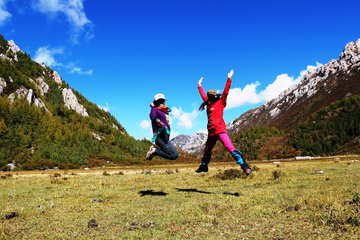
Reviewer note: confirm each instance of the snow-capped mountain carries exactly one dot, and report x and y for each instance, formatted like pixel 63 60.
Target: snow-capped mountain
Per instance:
pixel 318 88
pixel 190 144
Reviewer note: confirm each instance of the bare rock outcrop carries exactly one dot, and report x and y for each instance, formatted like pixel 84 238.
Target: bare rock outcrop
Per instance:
pixel 41 85
pixel 71 102
pixel 56 77
pixel 28 94
pixel 2 85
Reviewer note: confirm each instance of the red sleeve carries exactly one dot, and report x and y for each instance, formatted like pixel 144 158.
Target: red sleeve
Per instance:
pixel 226 91
pixel 202 93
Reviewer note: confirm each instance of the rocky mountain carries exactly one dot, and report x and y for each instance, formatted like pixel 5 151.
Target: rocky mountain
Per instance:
pixel 318 88
pixel 320 115
pixel 190 144
pixel 46 123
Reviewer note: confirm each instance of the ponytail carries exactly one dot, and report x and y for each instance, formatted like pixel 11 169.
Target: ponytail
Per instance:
pixel 212 98
pixel 202 106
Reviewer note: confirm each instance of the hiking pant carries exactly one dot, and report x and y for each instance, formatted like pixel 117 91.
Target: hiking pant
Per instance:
pixel 225 140
pixel 165 149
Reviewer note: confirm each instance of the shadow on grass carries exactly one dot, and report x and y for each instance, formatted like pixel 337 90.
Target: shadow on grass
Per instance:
pixel 194 190
pixel 152 193
pixel 189 190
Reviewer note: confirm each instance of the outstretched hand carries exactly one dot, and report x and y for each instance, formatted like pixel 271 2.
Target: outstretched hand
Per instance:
pixel 200 81
pixel 231 73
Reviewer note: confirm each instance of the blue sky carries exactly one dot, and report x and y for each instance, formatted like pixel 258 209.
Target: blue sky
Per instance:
pixel 119 54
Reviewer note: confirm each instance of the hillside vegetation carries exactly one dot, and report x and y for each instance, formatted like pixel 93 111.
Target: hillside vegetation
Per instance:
pixel 334 129
pixel 326 131
pixel 37 138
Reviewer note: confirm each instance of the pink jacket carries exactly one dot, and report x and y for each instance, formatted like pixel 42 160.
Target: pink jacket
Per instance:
pixel 215 110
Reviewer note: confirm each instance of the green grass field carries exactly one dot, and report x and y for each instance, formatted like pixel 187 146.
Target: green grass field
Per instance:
pixel 290 201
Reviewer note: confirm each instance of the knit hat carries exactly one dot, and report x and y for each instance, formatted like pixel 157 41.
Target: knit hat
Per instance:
pixel 159 96
pixel 212 92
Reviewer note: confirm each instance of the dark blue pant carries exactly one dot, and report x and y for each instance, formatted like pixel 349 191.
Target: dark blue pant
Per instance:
pixel 165 149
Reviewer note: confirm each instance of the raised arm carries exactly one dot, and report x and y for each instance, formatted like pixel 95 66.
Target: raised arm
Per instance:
pixel 201 90
pixel 227 87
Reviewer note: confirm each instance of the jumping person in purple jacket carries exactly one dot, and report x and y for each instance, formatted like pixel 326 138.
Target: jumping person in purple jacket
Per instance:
pixel 160 122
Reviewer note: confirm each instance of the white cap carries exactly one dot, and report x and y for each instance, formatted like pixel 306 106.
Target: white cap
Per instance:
pixel 159 96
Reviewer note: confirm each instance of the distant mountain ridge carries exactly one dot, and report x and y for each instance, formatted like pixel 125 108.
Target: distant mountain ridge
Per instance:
pixel 190 144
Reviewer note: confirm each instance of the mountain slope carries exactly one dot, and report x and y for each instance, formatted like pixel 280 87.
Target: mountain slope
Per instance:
pixel 318 88
pixel 331 129
pixel 299 113
pixel 45 123
pixel 285 126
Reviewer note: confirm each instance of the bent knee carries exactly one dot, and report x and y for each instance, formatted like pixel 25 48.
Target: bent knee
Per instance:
pixel 174 156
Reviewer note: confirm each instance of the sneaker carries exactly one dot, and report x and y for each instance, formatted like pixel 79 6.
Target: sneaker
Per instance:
pixel 245 167
pixel 150 153
pixel 248 171
pixel 202 168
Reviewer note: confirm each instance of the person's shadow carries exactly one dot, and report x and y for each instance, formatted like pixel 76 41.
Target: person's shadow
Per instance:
pixel 152 193
pixel 194 190
pixel 188 190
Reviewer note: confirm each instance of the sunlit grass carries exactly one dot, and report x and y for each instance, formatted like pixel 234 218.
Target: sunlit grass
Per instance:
pixel 176 203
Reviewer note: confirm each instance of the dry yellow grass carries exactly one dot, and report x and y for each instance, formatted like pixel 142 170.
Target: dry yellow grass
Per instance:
pixel 173 202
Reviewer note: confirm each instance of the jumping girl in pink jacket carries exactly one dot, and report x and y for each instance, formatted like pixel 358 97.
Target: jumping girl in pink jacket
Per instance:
pixel 215 104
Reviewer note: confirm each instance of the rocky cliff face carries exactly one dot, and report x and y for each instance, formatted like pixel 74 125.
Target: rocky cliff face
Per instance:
pixel 2 85
pixel 71 102
pixel 10 54
pixel 318 88
pixel 28 94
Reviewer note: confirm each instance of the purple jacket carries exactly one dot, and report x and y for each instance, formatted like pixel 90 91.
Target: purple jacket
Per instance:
pixel 159 119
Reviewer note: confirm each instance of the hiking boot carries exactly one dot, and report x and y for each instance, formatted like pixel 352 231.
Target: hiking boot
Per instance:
pixel 151 153
pixel 202 168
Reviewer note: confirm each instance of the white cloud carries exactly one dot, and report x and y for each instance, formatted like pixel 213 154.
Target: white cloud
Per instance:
pixel 46 55
pixel 145 124
pixel 4 14
pixel 174 134
pixel 74 69
pixel 238 97
pixel 184 119
pixel 78 70
pixel 105 108
pixel 74 13
pixel 281 83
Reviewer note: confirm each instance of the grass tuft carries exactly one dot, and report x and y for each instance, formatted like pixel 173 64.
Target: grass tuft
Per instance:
pixel 230 174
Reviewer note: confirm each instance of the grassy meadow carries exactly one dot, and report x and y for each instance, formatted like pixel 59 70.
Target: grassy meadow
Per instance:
pixel 293 200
